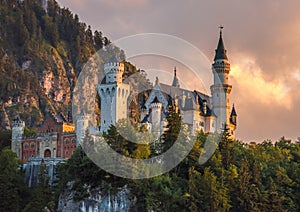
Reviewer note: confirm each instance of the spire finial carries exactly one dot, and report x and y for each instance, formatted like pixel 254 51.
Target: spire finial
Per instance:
pixel 221 29
pixel 175 71
pixel 156 81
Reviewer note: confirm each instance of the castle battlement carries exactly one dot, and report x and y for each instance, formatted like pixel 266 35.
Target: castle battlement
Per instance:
pixel 156 105
pixel 18 123
pixel 221 65
pixel 114 67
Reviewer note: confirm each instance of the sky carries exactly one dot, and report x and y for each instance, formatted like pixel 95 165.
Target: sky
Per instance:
pixel 262 38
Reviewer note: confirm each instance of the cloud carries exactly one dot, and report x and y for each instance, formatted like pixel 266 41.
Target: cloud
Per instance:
pixel 296 74
pixel 248 79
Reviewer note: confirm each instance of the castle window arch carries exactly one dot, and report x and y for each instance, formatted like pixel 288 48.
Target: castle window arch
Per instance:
pixel 32 145
pixel 67 141
pixel 47 153
pixel 26 146
pixel 73 141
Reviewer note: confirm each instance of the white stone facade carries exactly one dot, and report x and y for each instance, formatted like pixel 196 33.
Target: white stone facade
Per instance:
pixel 114 95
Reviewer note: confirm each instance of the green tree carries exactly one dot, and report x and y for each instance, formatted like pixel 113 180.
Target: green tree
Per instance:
pixel 14 193
pixel 172 129
pixel 206 193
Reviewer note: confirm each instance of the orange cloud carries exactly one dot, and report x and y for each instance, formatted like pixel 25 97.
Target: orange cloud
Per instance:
pixel 250 82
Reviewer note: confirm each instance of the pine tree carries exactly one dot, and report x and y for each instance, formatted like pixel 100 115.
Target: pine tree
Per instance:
pixel 14 193
pixel 172 129
pixel 98 39
pixel 206 193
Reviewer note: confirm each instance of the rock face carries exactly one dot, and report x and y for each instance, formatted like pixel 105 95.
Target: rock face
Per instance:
pixel 96 202
pixel 32 169
pixel 4 120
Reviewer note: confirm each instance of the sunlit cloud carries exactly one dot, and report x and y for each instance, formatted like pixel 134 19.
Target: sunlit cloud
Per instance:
pixel 296 74
pixel 249 81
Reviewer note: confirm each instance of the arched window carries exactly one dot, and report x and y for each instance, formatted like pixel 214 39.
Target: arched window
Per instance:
pixel 32 145
pixel 47 153
pixel 26 146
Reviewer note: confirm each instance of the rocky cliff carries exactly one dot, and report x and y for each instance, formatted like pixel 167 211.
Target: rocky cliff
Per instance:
pixel 42 50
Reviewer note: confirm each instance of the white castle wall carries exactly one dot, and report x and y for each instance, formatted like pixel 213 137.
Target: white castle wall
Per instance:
pixel 114 95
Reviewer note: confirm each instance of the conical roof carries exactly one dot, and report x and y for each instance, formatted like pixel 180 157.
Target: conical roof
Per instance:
pixel 233 112
pixel 221 51
pixel 175 79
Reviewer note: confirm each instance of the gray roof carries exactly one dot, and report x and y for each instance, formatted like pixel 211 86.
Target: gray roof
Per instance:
pixel 221 51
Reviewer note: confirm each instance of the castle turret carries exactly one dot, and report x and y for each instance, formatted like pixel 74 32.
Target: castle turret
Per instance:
pixel 233 116
pixel 221 89
pixel 82 125
pixel 113 95
pixel 17 135
pixel 175 79
pixel 233 122
pixel 156 109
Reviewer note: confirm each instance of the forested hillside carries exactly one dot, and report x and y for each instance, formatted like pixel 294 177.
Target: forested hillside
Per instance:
pixel 238 176
pixel 42 50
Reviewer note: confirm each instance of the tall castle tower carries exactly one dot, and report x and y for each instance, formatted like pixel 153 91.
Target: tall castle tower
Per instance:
pixel 17 135
pixel 156 110
pixel 221 89
pixel 113 95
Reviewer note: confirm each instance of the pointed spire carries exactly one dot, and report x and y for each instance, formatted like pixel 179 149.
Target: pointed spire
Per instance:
pixel 175 79
pixel 233 112
pixel 156 81
pixel 221 51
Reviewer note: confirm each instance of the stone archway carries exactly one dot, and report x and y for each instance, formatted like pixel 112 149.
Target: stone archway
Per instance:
pixel 47 153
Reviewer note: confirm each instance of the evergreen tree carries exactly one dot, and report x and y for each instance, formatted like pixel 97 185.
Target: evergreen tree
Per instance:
pixel 172 129
pixel 206 193
pixel 14 193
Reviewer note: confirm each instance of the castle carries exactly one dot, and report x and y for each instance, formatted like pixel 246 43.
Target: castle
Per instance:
pixel 56 138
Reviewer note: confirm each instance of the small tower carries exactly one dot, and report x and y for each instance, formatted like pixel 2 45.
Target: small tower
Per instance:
pixel 82 125
pixel 175 79
pixel 113 95
pixel 233 121
pixel 17 135
pixel 221 89
pixel 156 109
